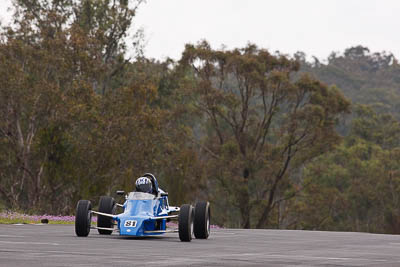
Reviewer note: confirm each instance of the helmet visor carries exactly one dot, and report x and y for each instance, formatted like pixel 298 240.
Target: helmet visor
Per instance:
pixel 146 188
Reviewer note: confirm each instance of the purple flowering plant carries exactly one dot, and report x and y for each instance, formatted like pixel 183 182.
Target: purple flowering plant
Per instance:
pixel 9 217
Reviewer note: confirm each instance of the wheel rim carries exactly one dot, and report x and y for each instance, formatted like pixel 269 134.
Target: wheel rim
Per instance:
pixel 208 225
pixel 89 222
pixel 191 229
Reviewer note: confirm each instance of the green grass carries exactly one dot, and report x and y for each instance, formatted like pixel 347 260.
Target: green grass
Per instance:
pixel 25 221
pixel 19 218
pixel 14 221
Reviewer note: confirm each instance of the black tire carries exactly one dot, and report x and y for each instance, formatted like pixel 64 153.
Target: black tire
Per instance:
pixel 185 222
pixel 83 218
pixel 107 205
pixel 202 217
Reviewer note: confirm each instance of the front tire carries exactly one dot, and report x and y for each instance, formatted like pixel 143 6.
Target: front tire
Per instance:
pixel 83 218
pixel 185 223
pixel 107 205
pixel 202 216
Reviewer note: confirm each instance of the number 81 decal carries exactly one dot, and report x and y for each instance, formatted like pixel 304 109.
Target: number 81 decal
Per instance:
pixel 130 223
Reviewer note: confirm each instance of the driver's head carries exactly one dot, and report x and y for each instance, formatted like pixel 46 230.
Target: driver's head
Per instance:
pixel 143 184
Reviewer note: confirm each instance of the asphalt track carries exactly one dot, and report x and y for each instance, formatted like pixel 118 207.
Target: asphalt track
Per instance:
pixel 57 245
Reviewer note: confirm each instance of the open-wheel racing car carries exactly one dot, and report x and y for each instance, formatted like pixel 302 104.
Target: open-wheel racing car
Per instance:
pixel 145 212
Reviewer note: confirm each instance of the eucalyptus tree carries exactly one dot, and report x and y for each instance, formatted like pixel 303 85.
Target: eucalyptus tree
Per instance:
pixel 58 58
pixel 260 125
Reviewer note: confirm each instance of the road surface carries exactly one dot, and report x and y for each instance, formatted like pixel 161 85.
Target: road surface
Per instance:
pixel 57 245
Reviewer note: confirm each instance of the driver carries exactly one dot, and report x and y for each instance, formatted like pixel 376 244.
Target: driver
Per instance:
pixel 144 184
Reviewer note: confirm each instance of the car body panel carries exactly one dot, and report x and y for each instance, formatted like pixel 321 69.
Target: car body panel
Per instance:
pixel 137 217
pixel 141 212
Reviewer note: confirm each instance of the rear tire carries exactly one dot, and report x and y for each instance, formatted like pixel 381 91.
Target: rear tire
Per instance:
pixel 107 205
pixel 202 216
pixel 185 223
pixel 83 218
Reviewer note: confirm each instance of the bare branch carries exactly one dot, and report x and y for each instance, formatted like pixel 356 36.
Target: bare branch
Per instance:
pixel 204 147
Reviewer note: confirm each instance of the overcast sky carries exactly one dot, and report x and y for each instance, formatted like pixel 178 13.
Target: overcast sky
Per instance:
pixel 316 27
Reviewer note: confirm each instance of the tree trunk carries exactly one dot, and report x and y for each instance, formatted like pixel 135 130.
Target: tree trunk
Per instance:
pixel 245 217
pixel 264 218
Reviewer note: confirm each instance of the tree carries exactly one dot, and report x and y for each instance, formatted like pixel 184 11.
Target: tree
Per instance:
pixel 56 61
pixel 355 187
pixel 365 77
pixel 261 125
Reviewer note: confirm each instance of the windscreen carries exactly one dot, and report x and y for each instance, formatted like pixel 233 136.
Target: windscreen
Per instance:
pixel 139 196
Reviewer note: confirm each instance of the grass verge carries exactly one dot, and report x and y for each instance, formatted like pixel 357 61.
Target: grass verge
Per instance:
pixel 19 218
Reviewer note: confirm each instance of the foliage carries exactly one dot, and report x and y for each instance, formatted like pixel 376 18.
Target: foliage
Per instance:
pixel 355 188
pixel 260 125
pixel 78 120
pixel 364 77
pixel 261 135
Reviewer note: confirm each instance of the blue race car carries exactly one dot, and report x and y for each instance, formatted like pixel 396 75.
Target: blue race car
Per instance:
pixel 145 212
